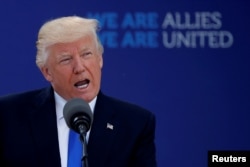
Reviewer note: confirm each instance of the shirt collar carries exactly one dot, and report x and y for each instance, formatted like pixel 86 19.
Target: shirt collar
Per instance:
pixel 60 102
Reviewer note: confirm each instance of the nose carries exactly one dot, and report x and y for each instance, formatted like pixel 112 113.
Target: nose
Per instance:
pixel 78 65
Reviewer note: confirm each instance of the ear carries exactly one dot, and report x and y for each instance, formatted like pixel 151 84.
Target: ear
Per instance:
pixel 100 61
pixel 46 73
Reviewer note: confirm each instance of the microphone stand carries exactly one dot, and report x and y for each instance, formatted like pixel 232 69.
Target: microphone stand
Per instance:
pixel 84 146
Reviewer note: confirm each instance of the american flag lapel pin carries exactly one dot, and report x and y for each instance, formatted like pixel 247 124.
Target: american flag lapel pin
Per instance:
pixel 110 126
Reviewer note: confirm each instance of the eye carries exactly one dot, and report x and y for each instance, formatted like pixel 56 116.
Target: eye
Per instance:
pixel 86 54
pixel 65 60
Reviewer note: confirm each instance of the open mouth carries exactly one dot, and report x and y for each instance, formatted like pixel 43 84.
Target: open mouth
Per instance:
pixel 82 84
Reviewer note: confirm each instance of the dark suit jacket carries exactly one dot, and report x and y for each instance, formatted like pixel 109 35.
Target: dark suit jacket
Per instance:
pixel 28 136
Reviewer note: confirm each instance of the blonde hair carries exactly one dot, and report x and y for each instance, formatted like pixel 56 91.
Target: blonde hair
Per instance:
pixel 64 30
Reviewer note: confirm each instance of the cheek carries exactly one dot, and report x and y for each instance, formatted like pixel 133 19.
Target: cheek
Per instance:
pixel 60 75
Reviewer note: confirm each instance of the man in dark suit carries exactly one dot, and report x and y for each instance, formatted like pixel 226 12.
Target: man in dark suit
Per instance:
pixel 33 131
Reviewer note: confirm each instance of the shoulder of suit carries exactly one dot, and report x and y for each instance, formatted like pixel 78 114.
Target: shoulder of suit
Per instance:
pixel 22 96
pixel 129 107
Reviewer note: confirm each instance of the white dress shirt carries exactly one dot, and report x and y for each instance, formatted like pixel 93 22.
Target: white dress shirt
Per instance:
pixel 62 128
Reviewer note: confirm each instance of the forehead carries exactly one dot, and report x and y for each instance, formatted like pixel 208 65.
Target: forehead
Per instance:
pixel 84 43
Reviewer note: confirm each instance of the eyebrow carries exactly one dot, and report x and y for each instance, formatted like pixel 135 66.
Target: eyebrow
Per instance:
pixel 65 53
pixel 85 49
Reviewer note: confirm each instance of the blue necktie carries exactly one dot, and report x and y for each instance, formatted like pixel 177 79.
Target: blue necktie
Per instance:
pixel 74 150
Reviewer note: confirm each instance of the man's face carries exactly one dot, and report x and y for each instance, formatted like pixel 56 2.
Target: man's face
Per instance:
pixel 74 69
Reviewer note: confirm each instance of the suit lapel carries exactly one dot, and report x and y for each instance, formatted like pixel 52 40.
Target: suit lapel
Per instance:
pixel 44 128
pixel 102 133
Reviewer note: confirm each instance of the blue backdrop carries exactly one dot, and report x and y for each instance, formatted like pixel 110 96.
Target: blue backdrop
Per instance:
pixel 186 61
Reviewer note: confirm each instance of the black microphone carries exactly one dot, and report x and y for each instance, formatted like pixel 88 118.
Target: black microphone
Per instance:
pixel 78 117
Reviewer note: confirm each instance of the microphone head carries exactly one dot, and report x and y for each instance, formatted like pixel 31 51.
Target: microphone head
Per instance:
pixel 77 112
